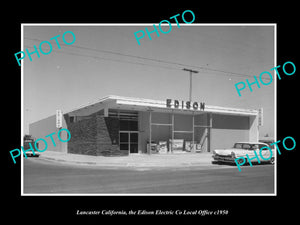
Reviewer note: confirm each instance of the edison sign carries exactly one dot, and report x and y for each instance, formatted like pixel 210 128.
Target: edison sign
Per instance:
pixel 185 104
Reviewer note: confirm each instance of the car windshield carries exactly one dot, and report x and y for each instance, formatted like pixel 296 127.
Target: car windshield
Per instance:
pixel 245 146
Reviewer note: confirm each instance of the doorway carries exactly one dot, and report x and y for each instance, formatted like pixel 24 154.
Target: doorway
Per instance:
pixel 129 141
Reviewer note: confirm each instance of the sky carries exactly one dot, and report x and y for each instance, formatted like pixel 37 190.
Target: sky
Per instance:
pixel 105 59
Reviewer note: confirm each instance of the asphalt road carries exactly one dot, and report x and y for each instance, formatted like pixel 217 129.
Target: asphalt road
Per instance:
pixel 41 176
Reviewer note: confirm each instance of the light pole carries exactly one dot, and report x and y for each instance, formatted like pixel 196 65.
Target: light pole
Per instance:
pixel 191 80
pixel 190 99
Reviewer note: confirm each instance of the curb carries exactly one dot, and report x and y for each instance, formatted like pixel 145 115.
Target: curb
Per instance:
pixel 130 164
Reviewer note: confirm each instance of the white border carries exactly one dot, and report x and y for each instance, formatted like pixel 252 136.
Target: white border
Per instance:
pixel 22 109
pixel 149 24
pixel 275 108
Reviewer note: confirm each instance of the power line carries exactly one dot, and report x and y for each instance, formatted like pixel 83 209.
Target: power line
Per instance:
pixel 121 54
pixel 110 59
pixel 226 73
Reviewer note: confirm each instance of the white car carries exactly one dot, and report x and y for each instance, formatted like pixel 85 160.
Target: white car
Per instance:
pixel 241 149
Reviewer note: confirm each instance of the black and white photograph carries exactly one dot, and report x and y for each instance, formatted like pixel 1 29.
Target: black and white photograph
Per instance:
pixel 149 112
pixel 178 113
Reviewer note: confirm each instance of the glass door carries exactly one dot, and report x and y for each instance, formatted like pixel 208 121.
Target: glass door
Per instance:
pixel 124 141
pixel 129 141
pixel 134 141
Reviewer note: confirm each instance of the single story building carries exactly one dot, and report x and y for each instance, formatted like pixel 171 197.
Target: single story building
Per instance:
pixel 117 125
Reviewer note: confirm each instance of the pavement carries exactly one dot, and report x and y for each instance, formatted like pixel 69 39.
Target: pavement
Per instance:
pixel 46 176
pixel 133 160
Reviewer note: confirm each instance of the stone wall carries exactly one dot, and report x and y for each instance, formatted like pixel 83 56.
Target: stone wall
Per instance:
pixel 108 136
pixel 83 137
pixel 95 135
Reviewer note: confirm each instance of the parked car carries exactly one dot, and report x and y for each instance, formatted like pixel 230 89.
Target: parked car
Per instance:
pixel 268 141
pixel 29 139
pixel 240 149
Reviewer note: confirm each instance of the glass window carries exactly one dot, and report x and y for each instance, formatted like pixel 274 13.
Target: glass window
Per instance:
pixel 124 125
pixel 124 137
pixel 133 137
pixel 261 146
pixel 128 125
pixel 246 146
pixel 237 145
pixel 124 147
pixel 133 148
pixel 72 119
pixel 134 126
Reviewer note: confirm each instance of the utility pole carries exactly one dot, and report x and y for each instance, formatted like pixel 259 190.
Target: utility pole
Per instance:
pixel 191 80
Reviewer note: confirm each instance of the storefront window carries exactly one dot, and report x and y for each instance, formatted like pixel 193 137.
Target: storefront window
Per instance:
pixel 128 125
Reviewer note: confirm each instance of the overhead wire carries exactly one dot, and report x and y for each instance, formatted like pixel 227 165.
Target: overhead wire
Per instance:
pixel 110 59
pixel 121 54
pixel 226 73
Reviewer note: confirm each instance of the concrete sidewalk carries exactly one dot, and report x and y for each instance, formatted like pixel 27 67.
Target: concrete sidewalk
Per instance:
pixel 133 160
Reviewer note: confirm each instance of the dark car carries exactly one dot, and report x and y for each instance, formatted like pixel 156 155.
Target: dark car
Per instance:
pixel 29 139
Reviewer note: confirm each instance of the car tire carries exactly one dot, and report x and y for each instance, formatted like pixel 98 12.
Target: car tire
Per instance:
pixel 240 161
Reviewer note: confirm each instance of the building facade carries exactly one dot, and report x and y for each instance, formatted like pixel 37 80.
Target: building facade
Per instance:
pixel 117 125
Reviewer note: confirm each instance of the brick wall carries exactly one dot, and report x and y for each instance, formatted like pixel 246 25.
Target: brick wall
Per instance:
pixel 83 137
pixel 113 127
pixel 108 136
pixel 95 135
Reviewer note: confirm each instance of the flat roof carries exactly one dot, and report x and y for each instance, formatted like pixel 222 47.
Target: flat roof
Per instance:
pixel 142 104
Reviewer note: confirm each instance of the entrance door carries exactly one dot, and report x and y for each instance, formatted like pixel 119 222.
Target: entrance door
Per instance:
pixel 124 141
pixel 134 142
pixel 129 141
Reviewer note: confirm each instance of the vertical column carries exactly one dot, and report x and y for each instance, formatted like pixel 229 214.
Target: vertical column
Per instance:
pixel 209 132
pixel 191 86
pixel 150 131
pixel 105 112
pixel 128 142
pixel 193 138
pixel 140 133
pixel 253 128
pixel 172 131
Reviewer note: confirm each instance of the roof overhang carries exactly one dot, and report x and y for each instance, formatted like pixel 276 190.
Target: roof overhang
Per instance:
pixel 141 104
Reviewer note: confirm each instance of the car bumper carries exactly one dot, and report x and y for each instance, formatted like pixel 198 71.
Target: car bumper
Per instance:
pixel 223 158
pixel 30 154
